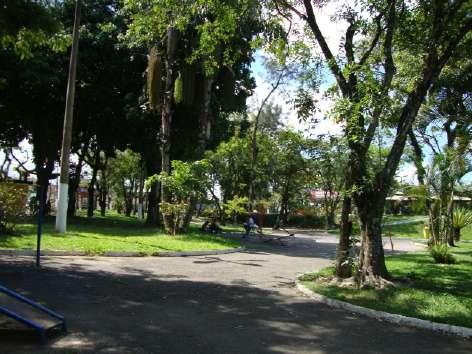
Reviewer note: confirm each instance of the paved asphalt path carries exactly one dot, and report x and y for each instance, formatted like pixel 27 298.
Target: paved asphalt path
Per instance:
pixel 235 303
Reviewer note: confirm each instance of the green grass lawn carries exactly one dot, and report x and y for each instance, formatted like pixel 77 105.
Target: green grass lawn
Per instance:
pixel 401 218
pixel 413 229
pixel 436 292
pixel 112 234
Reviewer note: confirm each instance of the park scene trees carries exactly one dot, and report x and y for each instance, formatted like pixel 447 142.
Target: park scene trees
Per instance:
pixel 144 128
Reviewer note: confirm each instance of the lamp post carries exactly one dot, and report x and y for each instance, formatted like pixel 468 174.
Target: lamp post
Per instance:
pixel 63 190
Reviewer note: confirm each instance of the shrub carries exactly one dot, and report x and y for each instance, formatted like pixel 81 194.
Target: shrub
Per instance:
pixel 175 213
pixel 13 199
pixel 461 218
pixel 235 207
pixel 306 220
pixel 441 254
pixel 209 212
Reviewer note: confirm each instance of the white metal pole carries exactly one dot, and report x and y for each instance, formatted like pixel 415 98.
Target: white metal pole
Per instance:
pixel 62 200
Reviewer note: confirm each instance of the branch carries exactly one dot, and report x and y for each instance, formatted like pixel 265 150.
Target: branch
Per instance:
pixel 374 42
pixel 21 164
pixel 408 114
pixel 332 64
pixel 292 8
pixel 5 151
pixel 264 101
pixel 348 46
pixel 432 68
pixel 283 14
pixel 436 148
pixel 390 70
pixel 389 64
pixel 369 135
pixel 461 33
pixel 421 171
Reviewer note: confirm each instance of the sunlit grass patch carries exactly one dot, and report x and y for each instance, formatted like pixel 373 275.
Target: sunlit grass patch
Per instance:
pixel 112 234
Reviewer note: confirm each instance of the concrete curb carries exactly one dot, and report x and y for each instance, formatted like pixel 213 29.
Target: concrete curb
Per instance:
pixel 385 316
pixel 6 252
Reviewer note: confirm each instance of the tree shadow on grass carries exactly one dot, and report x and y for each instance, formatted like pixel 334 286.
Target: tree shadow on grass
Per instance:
pixel 139 312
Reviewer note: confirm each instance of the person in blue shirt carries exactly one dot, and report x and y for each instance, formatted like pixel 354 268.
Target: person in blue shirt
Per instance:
pixel 250 225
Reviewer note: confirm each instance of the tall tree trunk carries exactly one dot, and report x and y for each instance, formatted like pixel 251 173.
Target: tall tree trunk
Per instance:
pixel 5 167
pixel 370 208
pixel 153 205
pixel 134 199
pixel 254 148
pixel 91 186
pixel 448 225
pixel 204 134
pixel 216 202
pixel 282 218
pixel 153 160
pixel 166 117
pixel 343 262
pixel 102 199
pixel 44 174
pixel 329 209
pixel 153 166
pixel 127 198
pixel 330 217
pixel 140 211
pixel 204 131
pixel 421 174
pixel 103 188
pixel 74 183
pixel 187 217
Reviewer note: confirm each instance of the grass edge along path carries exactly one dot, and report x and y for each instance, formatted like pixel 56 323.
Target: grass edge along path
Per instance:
pixel 407 227
pixel 113 233
pixel 435 292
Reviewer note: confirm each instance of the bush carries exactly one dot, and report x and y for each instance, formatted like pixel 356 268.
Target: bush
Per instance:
pixel 175 214
pixel 13 199
pixel 307 220
pixel 461 218
pixel 209 212
pixel 235 207
pixel 441 254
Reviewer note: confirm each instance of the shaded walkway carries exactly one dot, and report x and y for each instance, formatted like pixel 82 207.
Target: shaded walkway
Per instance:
pixel 235 303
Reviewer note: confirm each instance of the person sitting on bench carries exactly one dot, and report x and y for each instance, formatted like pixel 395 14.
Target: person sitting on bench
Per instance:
pixel 250 225
pixel 214 228
pixel 211 227
pixel 204 227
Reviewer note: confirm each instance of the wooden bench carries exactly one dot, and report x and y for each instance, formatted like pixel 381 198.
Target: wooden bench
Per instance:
pixel 282 239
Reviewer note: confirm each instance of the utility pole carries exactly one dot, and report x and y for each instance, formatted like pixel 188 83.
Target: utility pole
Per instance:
pixel 61 213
